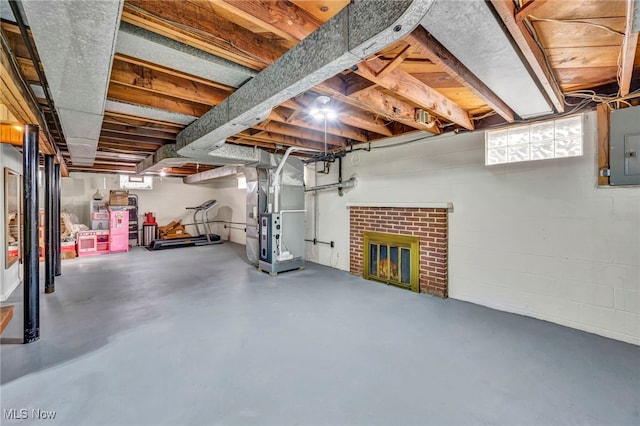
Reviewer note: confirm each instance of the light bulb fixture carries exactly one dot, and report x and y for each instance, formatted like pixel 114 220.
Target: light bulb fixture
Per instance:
pixel 322 109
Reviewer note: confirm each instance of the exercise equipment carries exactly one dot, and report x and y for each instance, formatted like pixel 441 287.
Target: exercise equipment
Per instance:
pixel 202 239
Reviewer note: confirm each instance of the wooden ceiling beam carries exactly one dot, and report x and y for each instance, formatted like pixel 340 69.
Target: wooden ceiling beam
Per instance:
pixel 285 19
pixel 170 71
pixel 322 9
pixel 424 43
pixel 281 116
pixel 628 48
pixel 395 109
pixel 203 30
pixel 108 142
pixel 350 117
pixel 300 133
pixel 134 131
pixel 141 77
pixel 528 9
pixel 144 122
pixel 135 95
pixel 384 106
pixel 531 51
pixel 280 139
pixel 123 137
pixel 412 89
pixel 395 62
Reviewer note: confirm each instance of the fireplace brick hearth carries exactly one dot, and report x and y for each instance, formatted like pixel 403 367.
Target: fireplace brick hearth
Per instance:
pixel 430 225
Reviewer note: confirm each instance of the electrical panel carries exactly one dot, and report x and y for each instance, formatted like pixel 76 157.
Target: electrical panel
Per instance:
pixel 624 152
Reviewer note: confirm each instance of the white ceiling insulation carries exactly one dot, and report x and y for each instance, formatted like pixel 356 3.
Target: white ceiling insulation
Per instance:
pixel 5 11
pixel 76 38
pixel 472 33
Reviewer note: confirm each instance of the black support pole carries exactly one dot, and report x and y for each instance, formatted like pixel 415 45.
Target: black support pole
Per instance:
pixel 49 227
pixel 31 274
pixel 56 220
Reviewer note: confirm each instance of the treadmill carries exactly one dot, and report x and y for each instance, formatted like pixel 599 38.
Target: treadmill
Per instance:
pixel 202 239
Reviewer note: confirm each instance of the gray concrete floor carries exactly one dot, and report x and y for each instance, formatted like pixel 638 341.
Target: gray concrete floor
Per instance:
pixel 196 336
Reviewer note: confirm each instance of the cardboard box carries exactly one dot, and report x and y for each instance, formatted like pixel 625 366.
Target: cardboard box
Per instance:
pixel 118 198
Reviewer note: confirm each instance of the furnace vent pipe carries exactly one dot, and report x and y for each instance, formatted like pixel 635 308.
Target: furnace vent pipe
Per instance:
pixel 275 177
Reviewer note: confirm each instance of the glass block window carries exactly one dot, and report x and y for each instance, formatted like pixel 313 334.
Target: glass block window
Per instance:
pixel 136 182
pixel 538 141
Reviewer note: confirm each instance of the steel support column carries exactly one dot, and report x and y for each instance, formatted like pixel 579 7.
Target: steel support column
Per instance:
pixel 49 227
pixel 30 234
pixel 56 220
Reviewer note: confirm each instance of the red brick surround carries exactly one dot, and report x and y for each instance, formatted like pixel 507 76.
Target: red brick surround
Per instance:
pixel 429 224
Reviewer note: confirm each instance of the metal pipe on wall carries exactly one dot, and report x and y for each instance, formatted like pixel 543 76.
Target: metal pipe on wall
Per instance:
pixel 30 234
pixel 350 183
pixel 49 228
pixel 56 220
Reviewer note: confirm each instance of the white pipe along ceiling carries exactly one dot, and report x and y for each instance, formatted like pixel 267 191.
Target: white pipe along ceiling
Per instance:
pixel 76 38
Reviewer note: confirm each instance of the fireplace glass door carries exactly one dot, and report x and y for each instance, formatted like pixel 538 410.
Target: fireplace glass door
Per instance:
pixel 392 259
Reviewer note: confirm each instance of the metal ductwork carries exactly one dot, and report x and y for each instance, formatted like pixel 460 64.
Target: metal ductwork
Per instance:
pixel 355 33
pixel 139 43
pixel 494 61
pixel 167 156
pixel 76 38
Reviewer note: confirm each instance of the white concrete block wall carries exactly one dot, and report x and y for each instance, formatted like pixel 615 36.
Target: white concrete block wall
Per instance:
pixel 10 277
pixel 167 200
pixel 537 238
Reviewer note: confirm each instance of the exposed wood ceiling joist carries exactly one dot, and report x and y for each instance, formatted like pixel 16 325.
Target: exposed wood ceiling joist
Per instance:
pixel 175 61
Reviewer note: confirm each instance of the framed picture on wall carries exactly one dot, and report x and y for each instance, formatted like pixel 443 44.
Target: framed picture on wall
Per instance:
pixel 13 217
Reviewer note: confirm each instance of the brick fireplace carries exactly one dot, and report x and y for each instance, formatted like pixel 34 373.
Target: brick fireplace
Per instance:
pixel 429 224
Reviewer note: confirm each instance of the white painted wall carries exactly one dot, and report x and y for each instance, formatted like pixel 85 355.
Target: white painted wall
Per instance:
pixel 9 278
pixel 168 200
pixel 535 238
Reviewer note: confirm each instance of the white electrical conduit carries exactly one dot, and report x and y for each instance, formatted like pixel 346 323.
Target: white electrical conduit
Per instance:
pixel 275 181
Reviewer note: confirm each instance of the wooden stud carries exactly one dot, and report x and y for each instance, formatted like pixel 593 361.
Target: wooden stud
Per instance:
pixel 416 91
pixel 603 142
pixel 151 80
pixel 136 95
pixel 528 9
pixel 279 115
pixel 170 71
pixel 395 63
pixel 203 30
pixel 438 54
pixel 284 19
pixel 386 108
pixel 628 55
pixel 531 51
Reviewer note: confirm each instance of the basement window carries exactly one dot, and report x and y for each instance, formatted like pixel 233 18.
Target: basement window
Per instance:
pixel 136 182
pixel 538 141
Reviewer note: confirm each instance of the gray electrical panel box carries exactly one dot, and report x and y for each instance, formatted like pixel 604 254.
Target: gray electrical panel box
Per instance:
pixel 624 151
